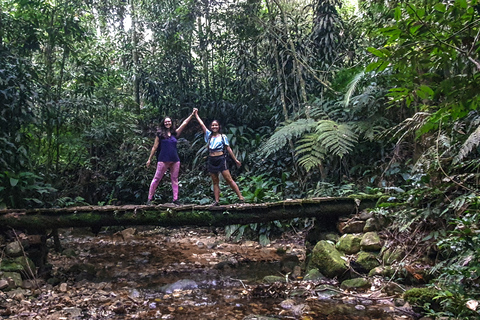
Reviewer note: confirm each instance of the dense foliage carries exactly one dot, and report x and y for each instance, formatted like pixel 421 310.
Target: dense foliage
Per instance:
pixel 318 97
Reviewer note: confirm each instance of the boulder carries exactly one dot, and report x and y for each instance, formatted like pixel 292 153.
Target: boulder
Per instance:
pixel 371 242
pixel 371 225
pixel 352 227
pixel 328 260
pixel 14 249
pixel 367 260
pixel 349 243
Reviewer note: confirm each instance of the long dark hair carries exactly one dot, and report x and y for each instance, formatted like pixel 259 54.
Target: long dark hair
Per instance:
pixel 162 131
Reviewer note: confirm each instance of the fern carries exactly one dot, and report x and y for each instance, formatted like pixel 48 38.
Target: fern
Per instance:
pixel 289 131
pixel 472 141
pixel 310 152
pixel 409 125
pixel 336 138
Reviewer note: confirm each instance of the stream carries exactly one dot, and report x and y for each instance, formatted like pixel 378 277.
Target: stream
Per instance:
pixel 187 273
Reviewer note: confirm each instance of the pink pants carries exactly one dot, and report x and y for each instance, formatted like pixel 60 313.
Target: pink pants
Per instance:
pixel 161 169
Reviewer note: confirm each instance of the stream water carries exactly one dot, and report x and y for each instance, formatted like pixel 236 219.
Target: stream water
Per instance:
pixel 196 274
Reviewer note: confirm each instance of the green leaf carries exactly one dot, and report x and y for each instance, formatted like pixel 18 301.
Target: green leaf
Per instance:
pixel 13 182
pixel 378 53
pixel 373 66
pixel 263 239
pixel 398 13
pixel 440 7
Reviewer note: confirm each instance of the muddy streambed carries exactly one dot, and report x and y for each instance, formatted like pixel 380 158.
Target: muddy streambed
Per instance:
pixel 187 273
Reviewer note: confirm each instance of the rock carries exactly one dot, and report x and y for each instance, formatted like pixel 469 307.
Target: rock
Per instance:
pixel 287 304
pixel 14 279
pixel 73 312
pixel 367 260
pixel 349 243
pixel 17 294
pixel 328 260
pixel 184 284
pixel 371 225
pixel 273 279
pixel 3 284
pixel 352 227
pixel 27 264
pixel 386 272
pixel 313 275
pixel 10 265
pixel 326 292
pixel 365 215
pixel 63 287
pixel 355 284
pixel 13 249
pixel 371 242
pixel 128 234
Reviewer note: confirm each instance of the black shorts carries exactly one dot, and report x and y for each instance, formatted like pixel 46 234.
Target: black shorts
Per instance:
pixel 216 164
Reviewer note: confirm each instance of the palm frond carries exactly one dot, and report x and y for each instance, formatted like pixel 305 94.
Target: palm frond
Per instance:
pixel 289 131
pixel 310 151
pixel 336 138
pixel 472 141
pixel 352 86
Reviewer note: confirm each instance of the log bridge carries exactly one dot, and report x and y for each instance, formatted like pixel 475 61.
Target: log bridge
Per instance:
pixel 39 222
pixel 169 215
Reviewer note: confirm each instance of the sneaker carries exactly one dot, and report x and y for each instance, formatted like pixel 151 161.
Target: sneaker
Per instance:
pixel 241 201
pixel 176 202
pixel 215 204
pixel 149 202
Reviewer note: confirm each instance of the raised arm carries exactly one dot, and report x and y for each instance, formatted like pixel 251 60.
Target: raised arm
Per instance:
pixel 184 123
pixel 154 149
pixel 204 128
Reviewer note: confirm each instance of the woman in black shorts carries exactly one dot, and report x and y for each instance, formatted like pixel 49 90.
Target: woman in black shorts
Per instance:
pixel 217 147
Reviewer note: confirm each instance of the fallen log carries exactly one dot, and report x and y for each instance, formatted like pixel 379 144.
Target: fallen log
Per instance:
pixel 170 215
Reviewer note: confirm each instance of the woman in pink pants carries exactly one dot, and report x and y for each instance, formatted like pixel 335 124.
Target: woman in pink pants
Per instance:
pixel 167 158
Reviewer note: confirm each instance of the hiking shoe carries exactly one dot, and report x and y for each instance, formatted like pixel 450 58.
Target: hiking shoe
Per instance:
pixel 176 202
pixel 215 204
pixel 149 202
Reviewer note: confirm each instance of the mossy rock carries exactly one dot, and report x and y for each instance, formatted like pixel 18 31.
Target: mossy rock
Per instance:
pixel 15 276
pixel 9 265
pixel 371 225
pixel 421 296
pixel 349 243
pixel 367 260
pixel 384 271
pixel 328 260
pixel 356 284
pixel 26 263
pixel 273 279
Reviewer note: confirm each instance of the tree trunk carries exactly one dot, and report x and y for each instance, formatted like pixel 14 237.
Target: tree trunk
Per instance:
pixel 172 216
